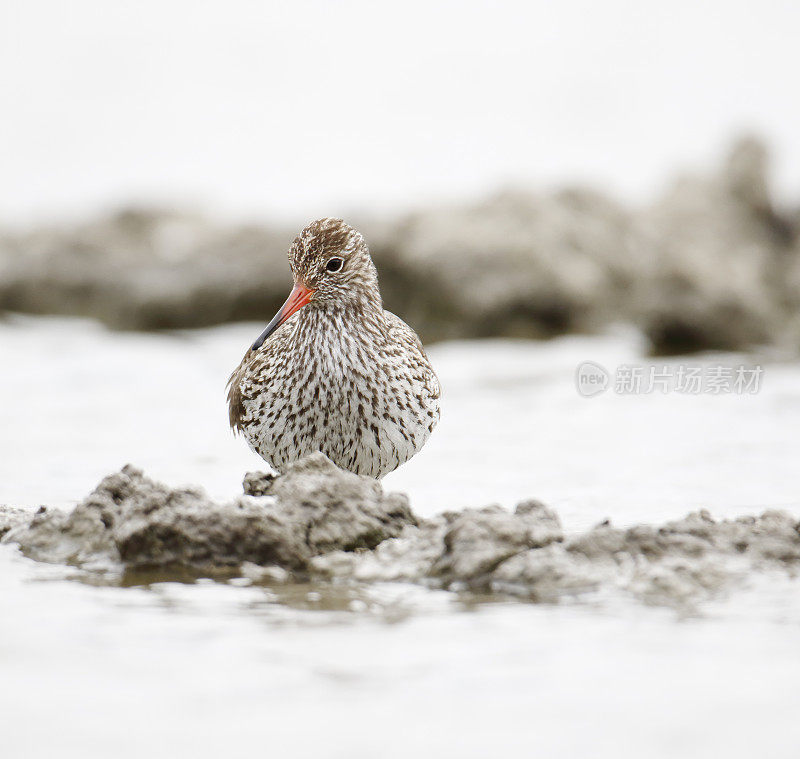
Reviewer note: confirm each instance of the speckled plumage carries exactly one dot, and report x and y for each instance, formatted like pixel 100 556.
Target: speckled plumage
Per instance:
pixel 341 375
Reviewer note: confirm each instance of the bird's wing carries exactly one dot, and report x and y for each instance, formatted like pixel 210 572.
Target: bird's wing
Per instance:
pixel 253 371
pixel 401 334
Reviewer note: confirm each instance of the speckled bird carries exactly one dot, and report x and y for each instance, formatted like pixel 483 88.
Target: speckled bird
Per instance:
pixel 333 371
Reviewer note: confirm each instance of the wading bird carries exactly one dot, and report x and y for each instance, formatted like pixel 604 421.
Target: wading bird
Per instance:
pixel 333 371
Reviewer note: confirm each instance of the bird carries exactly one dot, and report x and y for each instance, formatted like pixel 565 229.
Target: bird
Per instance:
pixel 334 371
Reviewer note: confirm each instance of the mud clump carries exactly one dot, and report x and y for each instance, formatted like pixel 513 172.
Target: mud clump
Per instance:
pixel 11 517
pixel 720 257
pixel 516 264
pixel 525 554
pixel 477 541
pixel 131 520
pixel 317 523
pixel 146 268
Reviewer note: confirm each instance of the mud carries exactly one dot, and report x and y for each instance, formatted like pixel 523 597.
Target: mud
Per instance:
pixel 712 263
pixel 316 523
pixel 11 517
pixel 132 521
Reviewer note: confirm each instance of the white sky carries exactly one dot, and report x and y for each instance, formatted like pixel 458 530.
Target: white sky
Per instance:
pixel 302 109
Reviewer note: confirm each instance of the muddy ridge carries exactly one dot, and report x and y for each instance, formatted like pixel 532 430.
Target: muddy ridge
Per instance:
pixel 318 523
pixel 712 263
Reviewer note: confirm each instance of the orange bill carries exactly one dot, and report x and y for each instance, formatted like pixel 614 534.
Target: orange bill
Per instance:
pixel 298 298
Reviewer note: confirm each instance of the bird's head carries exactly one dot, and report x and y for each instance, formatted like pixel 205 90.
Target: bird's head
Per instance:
pixel 331 266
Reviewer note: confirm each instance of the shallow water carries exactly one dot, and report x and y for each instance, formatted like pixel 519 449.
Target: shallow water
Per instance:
pixel 392 670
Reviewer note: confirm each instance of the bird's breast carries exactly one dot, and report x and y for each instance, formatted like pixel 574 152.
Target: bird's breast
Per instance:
pixel 340 392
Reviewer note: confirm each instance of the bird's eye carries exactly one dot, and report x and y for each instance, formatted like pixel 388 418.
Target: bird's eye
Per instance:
pixel 334 264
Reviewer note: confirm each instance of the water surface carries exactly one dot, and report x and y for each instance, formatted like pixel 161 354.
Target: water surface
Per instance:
pixel 201 668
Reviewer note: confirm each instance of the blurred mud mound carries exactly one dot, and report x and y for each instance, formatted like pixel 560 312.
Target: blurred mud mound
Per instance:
pixel 318 523
pixel 711 264
pixel 143 269
pixel 723 265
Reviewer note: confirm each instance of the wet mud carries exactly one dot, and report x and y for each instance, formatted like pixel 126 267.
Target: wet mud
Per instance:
pixel 318 526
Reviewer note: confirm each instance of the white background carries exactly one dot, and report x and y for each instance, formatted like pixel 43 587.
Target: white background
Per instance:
pixel 303 109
